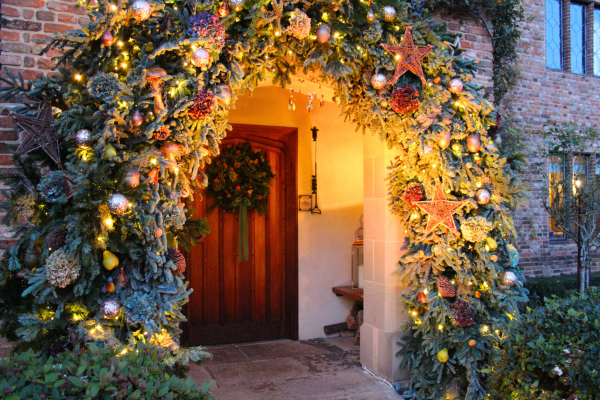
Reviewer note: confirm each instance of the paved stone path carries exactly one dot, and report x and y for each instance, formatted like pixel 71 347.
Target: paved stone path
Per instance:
pixel 318 369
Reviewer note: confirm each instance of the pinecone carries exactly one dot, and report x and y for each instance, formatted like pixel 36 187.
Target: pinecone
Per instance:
pixel 74 337
pixel 445 287
pixel 121 280
pixel 56 238
pixel 463 313
pixel 207 26
pixel 162 133
pixel 203 103
pixel 413 192
pixel 405 99
pixel 177 258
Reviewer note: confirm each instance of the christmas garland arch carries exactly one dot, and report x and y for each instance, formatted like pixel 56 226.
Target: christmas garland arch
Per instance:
pixel 141 103
pixel 239 180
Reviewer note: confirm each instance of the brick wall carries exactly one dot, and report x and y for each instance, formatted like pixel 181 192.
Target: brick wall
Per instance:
pixel 543 95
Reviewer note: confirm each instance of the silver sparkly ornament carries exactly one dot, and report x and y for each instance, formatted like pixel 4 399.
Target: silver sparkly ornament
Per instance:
pixel 132 178
pixel 223 94
pixel 83 138
pixel 31 258
pixel 379 81
pixel 509 278
pixel 117 203
pixel 237 5
pixel 482 196
pixel 200 57
pixel 323 33
pixel 110 308
pixel 371 16
pixel 141 10
pixel 456 86
pixel 389 13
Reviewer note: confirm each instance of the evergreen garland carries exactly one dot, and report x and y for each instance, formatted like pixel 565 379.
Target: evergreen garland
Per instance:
pixel 157 80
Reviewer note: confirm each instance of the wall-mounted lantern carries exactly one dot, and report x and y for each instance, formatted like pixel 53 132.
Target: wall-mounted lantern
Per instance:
pixel 358 261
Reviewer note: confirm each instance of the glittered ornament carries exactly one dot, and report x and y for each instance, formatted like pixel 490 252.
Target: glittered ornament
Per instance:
pixel 223 94
pixel 56 238
pixel 121 280
pixel 437 80
pixel 141 10
pixel 237 5
pixel 107 38
pixel 473 143
pixel 371 16
pixel 443 140
pixel 132 178
pixel 456 86
pixel 509 278
pixel 482 196
pixel 203 103
pixel 137 118
pixel 462 313
pixel 422 297
pixel 208 27
pixel 379 81
pixel 177 259
pixel 153 176
pixel 323 33
pixel 158 232
pixel 414 192
pixel 405 100
pixel 200 58
pixel 162 133
pixel 83 139
pixel 117 203
pixel 110 309
pixel 389 13
pixel 299 24
pixel 445 287
pixel 223 11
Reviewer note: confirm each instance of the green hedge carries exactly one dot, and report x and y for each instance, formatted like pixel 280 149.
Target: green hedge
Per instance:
pixel 95 374
pixel 561 286
pixel 552 352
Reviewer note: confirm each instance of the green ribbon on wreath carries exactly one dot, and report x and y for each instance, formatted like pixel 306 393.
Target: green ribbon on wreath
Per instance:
pixel 243 232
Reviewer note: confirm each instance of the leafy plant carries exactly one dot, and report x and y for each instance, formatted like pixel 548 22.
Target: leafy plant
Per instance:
pixel 552 352
pixel 98 373
pixel 560 286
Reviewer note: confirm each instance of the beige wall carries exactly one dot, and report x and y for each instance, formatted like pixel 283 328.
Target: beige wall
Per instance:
pixel 324 240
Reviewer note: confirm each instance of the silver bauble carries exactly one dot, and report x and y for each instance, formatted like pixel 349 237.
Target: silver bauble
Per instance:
pixel 456 86
pixel 498 140
pixel 379 81
pixel 482 196
pixel 371 16
pixel 117 203
pixel 31 258
pixel 83 138
pixel 110 308
pixel 200 57
pixel 389 13
pixel 237 5
pixel 132 178
pixel 323 33
pixel 223 94
pixel 141 10
pixel 509 278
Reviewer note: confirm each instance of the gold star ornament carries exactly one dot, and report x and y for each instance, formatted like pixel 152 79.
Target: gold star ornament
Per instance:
pixel 441 210
pixel 409 56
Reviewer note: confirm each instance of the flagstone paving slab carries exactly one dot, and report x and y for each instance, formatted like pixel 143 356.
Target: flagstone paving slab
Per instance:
pixel 226 355
pixel 266 391
pixel 252 373
pixel 284 349
pixel 199 373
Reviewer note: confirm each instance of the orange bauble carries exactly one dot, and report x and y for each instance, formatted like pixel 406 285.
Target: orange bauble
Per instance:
pixel 472 343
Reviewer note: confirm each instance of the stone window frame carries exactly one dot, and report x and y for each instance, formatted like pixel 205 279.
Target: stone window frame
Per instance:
pixel 589 33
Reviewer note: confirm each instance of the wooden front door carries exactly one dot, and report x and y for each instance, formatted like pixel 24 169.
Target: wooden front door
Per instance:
pixel 258 298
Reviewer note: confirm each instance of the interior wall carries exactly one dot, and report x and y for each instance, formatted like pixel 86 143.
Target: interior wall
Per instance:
pixel 324 240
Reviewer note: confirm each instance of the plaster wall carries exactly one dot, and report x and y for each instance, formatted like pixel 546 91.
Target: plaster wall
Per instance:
pixel 324 240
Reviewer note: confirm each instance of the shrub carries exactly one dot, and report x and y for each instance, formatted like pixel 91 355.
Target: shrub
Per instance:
pixel 552 352
pixel 97 373
pixel 561 286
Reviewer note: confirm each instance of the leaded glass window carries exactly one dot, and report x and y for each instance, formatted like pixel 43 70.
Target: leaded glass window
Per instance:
pixel 596 41
pixel 578 40
pixel 554 34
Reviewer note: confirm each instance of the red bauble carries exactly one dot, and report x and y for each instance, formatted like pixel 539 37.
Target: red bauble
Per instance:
pixel 137 118
pixel 107 38
pixel 405 100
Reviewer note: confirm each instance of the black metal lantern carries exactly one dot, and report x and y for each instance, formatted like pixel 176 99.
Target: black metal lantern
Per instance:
pixel 358 261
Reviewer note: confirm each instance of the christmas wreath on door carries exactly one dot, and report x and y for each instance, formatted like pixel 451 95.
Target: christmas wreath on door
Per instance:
pixel 239 180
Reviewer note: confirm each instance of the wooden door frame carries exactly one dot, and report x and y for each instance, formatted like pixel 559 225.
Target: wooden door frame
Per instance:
pixel 268 135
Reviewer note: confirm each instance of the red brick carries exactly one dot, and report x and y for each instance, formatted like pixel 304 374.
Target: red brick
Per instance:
pixel 21 25
pixel 67 18
pixel 6 122
pixel 45 16
pixel 52 28
pixel 25 3
pixel 28 14
pixel 9 59
pixel 28 62
pixel 17 48
pixel 9 11
pixel 10 36
pixel 44 63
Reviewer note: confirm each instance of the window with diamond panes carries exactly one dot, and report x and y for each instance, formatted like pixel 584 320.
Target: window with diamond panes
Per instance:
pixel 597 41
pixel 578 41
pixel 554 34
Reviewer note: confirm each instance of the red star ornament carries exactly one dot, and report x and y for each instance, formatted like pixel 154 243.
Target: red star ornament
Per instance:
pixel 441 210
pixel 409 56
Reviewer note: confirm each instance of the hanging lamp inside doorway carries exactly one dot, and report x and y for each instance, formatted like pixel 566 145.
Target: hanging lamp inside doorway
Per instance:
pixel 315 209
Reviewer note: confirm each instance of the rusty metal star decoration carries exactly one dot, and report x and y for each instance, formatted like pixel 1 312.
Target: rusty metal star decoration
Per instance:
pixel 409 56
pixel 441 210
pixel 40 133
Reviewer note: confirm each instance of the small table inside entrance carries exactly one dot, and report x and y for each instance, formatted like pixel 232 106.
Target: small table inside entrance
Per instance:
pixel 356 294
